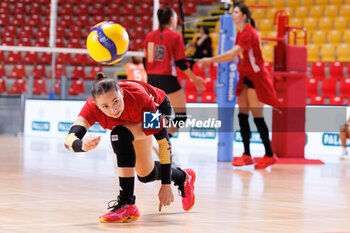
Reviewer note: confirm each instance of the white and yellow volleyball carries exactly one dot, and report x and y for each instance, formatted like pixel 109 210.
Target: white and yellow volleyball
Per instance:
pixel 107 42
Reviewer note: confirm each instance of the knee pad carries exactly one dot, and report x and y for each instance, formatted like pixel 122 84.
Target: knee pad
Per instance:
pixel 180 117
pixel 154 175
pixel 121 139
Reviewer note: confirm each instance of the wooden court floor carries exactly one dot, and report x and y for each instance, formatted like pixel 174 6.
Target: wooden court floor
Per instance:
pixel 44 188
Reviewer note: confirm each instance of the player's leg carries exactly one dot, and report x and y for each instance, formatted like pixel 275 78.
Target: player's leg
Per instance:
pixel 243 115
pixel 123 209
pixel 178 102
pixel 257 109
pixel 343 135
pixel 149 170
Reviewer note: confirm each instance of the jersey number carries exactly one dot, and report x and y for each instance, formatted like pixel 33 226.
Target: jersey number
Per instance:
pixel 159 53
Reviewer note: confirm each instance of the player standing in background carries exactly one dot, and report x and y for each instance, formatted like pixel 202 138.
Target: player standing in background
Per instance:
pixel 135 70
pixel 164 51
pixel 255 85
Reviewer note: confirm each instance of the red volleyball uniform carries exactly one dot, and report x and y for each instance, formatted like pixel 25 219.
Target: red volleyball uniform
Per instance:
pixel 162 52
pixel 251 65
pixel 138 97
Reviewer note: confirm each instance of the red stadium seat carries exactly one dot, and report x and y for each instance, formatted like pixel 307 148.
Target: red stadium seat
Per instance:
pixel 78 72
pixel 10 30
pixel 3 87
pixel 97 19
pixel 60 42
pixel 145 20
pixel 39 71
pixel 60 71
pixel 268 66
pixel 97 8
pixel 61 31
pixel 18 71
pixel 14 57
pixel 66 20
pixel 4 19
pixel 138 32
pixel 113 9
pixel 19 19
pixel 329 87
pixel 8 40
pixel 77 87
pixel 145 9
pixel 94 70
pixel 213 71
pixel 74 42
pixel 318 70
pixel 18 87
pixel 189 8
pixel 66 9
pixel 39 87
pixel 312 87
pixel 43 31
pixel 41 41
pixel 336 100
pixel 115 18
pixel 82 9
pixel 129 20
pixel 26 31
pixel 317 100
pixel 2 57
pixel 18 8
pixel 198 71
pixel 2 71
pixel 209 84
pixel 74 31
pixel 191 96
pixel 79 59
pixel 24 41
pixel 35 8
pixel 336 69
pixel 46 58
pixel 57 87
pixel 189 86
pixel 129 9
pixel 345 87
pixel 30 58
pixel 83 21
pixel 34 20
pixel 208 97
pixel 63 58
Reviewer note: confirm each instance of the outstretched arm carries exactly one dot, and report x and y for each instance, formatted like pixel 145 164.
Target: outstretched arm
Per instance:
pixel 74 140
pixel 229 55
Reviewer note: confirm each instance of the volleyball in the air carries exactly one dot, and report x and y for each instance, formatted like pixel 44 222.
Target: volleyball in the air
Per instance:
pixel 107 42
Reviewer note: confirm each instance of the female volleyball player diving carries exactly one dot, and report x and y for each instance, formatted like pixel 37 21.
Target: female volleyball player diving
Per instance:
pixel 164 50
pixel 255 85
pixel 120 107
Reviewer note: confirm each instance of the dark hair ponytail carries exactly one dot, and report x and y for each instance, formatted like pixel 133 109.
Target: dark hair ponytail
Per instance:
pixel 246 11
pixel 164 15
pixel 103 84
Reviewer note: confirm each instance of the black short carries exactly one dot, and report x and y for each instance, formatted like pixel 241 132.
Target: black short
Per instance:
pixel 248 82
pixel 167 83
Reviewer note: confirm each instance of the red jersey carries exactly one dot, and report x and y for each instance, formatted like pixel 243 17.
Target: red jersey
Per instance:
pixel 161 53
pixel 251 65
pixel 252 59
pixel 138 97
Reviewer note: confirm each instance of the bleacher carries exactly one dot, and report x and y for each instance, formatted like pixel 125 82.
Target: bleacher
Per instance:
pixel 327 23
pixel 27 23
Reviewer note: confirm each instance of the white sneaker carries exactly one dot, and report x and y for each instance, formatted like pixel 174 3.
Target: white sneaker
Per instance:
pixel 344 155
